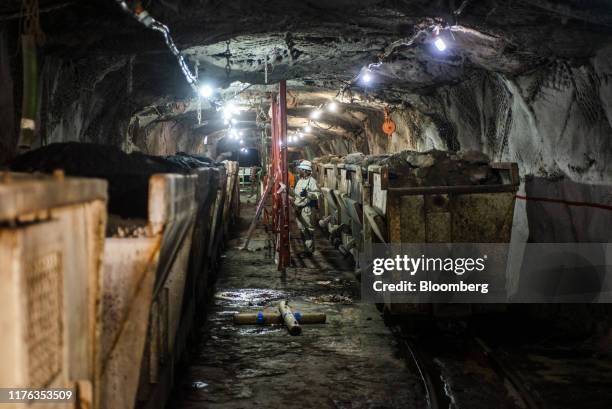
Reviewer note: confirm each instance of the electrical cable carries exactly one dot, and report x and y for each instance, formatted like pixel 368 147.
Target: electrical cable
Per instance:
pixel 148 21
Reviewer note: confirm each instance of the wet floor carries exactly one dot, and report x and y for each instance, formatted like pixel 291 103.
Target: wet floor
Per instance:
pixel 352 361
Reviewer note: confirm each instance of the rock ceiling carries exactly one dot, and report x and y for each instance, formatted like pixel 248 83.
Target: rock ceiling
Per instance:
pixel 320 45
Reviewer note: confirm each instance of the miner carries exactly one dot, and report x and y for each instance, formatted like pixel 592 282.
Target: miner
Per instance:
pixel 305 199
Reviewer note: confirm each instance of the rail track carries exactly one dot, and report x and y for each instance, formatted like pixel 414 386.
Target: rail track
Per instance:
pixel 421 353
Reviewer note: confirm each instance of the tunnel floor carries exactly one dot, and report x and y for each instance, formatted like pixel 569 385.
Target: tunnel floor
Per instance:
pixel 352 361
pixel 357 360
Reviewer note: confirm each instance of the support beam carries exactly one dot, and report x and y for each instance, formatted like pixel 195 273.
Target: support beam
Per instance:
pixel 279 173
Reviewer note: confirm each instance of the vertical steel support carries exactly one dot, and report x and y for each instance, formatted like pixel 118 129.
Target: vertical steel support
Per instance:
pixel 279 174
pixel 284 256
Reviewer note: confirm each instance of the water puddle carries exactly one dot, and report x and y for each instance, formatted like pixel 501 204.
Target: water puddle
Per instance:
pixel 249 296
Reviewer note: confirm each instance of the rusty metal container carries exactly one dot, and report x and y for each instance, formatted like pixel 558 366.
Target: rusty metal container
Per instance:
pixel 329 183
pixel 110 315
pixel 438 214
pixel 143 285
pixel 51 243
pixel 351 181
pixel 216 230
pixel 232 194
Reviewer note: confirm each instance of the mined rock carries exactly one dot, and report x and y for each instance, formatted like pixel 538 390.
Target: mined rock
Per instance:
pixel 437 168
pixel 421 161
pixel 473 157
pixel 127 174
pixel 354 158
pixel 190 161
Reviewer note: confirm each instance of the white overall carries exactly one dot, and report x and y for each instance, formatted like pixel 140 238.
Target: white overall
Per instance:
pixel 308 184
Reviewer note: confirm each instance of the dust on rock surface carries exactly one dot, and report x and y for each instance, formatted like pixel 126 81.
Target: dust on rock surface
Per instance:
pixel 352 361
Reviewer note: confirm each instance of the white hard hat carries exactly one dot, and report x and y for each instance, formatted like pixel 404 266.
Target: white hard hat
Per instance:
pixel 305 165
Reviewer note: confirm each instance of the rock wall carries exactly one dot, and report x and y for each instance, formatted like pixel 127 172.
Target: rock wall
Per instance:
pixel 555 122
pixel 167 138
pixel 86 100
pixel 8 135
pixel 94 99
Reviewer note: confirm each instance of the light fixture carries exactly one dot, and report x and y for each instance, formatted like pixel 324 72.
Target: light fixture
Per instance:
pixel 308 129
pixel 301 135
pixel 332 106
pixel 242 142
pixel 234 121
pixel 316 114
pixel 230 109
pixel 366 77
pixel 206 91
pixel 440 44
pixel 241 133
pixel 226 121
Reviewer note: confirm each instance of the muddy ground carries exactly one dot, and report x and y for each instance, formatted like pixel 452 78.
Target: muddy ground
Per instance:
pixel 358 360
pixel 352 361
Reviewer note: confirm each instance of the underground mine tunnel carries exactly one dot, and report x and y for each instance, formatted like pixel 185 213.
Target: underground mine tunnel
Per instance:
pixel 306 204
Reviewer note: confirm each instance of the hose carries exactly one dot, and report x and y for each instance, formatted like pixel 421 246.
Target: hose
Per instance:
pixel 148 21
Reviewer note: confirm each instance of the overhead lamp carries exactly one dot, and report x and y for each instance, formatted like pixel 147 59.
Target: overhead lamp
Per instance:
pixel 206 91
pixel 316 114
pixel 367 77
pixel 332 106
pixel 308 129
pixel 230 109
pixel 440 44
pixel 301 135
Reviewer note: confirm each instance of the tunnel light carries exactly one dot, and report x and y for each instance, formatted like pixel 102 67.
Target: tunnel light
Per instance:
pixel 206 91
pixel 332 106
pixel 229 110
pixel 316 114
pixel 300 135
pixel 367 77
pixel 440 44
pixel 308 129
